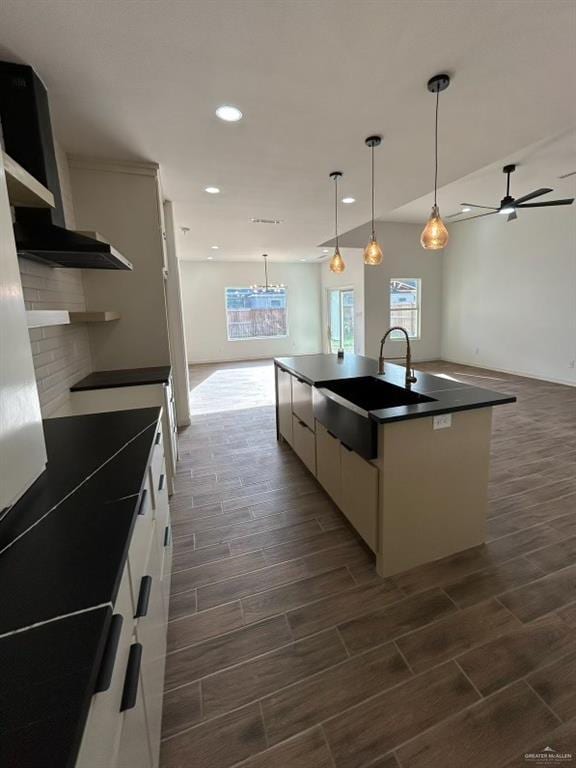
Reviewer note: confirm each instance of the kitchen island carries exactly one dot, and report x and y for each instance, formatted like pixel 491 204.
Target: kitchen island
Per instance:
pixel 407 463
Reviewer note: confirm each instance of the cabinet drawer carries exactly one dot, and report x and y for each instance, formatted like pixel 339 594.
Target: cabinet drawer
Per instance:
pixel 133 749
pixel 359 494
pixel 103 725
pixel 304 444
pixel 302 402
pixel 142 534
pixel 328 470
pixel 151 633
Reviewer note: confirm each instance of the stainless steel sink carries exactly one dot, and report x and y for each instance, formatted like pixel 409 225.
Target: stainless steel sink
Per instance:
pixel 342 406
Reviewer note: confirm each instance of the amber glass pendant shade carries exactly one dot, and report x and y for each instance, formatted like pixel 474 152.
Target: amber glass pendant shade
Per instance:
pixel 373 253
pixel 434 236
pixel 337 263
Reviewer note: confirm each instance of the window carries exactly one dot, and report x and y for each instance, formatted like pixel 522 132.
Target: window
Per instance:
pixel 405 306
pixel 251 315
pixel 341 319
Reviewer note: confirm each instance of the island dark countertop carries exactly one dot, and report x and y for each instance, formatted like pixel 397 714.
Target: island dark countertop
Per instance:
pixel 448 395
pixel 127 377
pixel 63 547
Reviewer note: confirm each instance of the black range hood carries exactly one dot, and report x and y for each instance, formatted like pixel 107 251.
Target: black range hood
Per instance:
pixel 27 137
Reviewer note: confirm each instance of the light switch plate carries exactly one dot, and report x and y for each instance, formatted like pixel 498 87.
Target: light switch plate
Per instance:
pixel 443 421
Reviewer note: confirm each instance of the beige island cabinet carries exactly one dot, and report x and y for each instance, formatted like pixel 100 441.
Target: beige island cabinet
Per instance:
pixel 407 465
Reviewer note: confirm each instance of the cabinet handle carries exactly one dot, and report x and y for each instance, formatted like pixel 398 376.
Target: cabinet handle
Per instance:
pixel 350 450
pixel 143 597
pixel 109 656
pixel 158 436
pixel 166 535
pixel 130 691
pixel 142 501
pixel 161 483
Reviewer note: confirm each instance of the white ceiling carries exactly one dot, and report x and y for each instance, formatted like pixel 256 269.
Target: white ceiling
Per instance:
pixel 141 80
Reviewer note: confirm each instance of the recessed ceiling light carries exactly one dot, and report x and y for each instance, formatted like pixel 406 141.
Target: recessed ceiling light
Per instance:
pixel 228 113
pixel 348 200
pixel 302 259
pixel 210 258
pixel 466 209
pixel 212 190
pixel 214 247
pixel 325 250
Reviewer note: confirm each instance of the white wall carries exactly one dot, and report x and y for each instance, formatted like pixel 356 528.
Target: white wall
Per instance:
pixel 403 257
pixel 352 277
pixel 510 294
pixel 203 285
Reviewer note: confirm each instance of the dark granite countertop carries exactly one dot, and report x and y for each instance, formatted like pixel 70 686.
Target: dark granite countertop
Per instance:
pixel 448 395
pixel 63 547
pixel 128 377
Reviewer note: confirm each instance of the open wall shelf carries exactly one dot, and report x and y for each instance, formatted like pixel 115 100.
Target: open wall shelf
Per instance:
pixel 23 189
pixel 38 318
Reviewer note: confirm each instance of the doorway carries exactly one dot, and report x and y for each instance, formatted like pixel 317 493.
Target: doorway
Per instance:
pixel 341 319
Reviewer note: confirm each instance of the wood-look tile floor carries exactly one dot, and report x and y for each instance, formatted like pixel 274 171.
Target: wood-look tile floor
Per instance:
pixel 286 650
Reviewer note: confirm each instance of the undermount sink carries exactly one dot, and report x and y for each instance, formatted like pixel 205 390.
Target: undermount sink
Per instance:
pixel 342 407
pixel 371 394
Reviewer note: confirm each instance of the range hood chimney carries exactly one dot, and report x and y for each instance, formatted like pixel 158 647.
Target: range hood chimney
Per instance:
pixel 41 234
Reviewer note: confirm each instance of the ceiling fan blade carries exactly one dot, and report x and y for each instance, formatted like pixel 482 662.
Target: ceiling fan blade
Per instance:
pixel 512 216
pixel 472 205
pixel 565 201
pixel 532 195
pixel 479 216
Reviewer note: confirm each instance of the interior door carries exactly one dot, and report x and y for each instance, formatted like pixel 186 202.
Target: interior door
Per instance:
pixel 341 319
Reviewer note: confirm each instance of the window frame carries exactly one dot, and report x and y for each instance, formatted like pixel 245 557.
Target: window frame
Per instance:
pixel 417 307
pixel 252 338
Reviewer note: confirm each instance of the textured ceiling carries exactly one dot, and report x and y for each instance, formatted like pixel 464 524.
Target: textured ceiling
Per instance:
pixel 141 80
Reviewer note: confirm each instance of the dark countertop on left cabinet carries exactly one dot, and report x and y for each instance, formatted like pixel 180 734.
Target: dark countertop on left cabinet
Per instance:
pixel 63 547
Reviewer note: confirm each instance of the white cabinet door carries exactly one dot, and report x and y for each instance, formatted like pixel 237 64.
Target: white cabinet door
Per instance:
pixel 22 445
pixel 133 749
pixel 360 494
pixel 304 444
pixel 285 404
pixel 328 463
pixel 151 633
pixel 302 402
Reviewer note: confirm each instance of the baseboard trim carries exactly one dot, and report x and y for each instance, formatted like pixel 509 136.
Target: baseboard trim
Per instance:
pixel 522 374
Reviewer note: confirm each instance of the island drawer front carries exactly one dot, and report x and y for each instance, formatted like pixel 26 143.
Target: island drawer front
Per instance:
pixel 142 540
pixel 285 404
pixel 305 444
pixel 359 498
pixel 302 402
pixel 103 725
pixel 328 462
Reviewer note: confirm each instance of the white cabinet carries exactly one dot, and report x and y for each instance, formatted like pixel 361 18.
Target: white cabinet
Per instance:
pixel 328 469
pixel 304 443
pixel 123 731
pixel 284 404
pixel 302 402
pixel 22 445
pixel 359 494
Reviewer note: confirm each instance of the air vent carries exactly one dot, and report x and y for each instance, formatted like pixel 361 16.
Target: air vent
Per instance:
pixel 266 221
pixel 566 175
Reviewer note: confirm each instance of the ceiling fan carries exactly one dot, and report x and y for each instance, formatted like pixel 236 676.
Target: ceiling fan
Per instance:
pixel 509 205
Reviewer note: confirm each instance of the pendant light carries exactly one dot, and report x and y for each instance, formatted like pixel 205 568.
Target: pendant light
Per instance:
pixel 435 235
pixel 337 263
pixel 373 252
pixel 267 287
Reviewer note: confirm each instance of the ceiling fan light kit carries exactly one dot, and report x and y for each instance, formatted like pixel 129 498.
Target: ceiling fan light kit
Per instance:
pixel 337 263
pixel 373 252
pixel 435 236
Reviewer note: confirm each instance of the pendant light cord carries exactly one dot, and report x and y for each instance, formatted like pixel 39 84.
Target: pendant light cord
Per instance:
pixel 436 148
pixel 336 207
pixel 373 233
pixel 266 271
